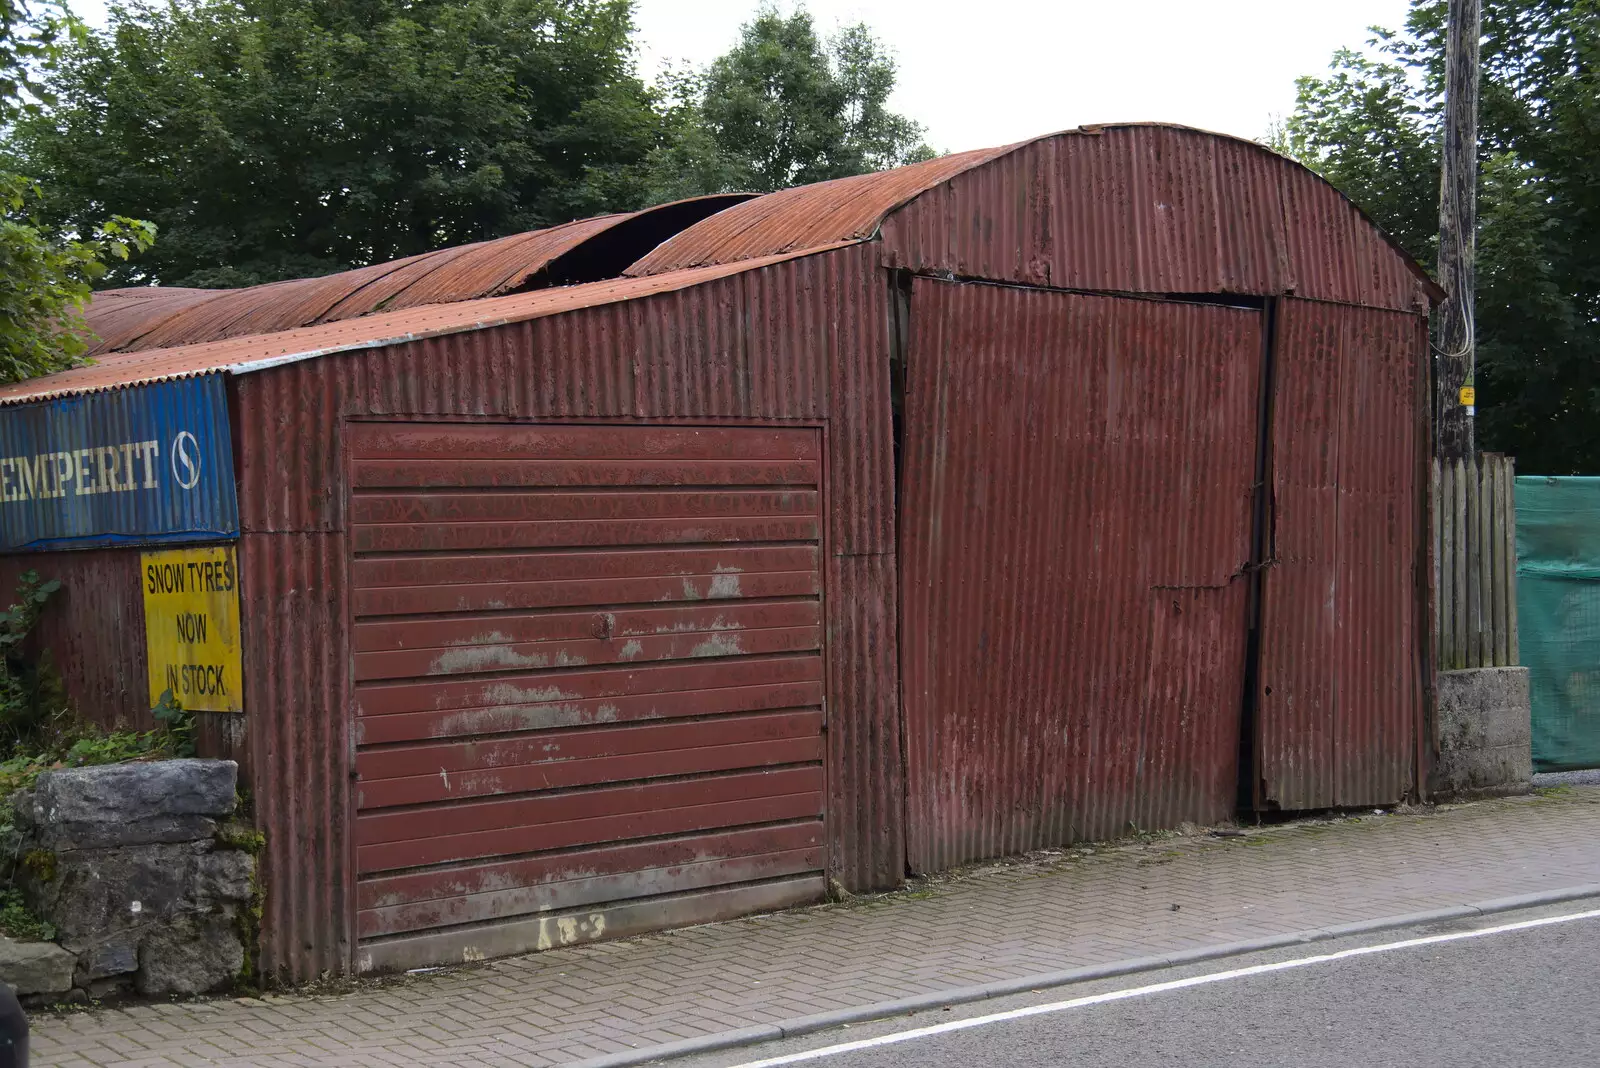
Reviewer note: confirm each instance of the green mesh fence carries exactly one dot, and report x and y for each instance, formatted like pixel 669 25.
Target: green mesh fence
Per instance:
pixel 1558 616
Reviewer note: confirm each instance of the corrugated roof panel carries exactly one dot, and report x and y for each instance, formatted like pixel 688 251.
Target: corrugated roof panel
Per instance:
pixel 805 216
pixel 120 370
pixel 154 318
pixel 216 318
pixel 492 267
pixel 116 317
pixel 312 299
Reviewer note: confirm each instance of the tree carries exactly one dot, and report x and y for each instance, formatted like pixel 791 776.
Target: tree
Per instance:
pixel 783 107
pixel 1370 127
pixel 282 138
pixel 45 275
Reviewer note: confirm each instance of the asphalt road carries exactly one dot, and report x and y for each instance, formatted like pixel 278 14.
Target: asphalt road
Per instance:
pixel 1514 999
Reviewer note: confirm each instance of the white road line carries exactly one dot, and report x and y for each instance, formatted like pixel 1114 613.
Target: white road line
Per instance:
pixel 1158 988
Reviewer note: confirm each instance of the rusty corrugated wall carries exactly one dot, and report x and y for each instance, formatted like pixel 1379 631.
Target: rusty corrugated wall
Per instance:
pixel 93 629
pixel 797 341
pixel 1342 675
pixel 1076 519
pixel 292 562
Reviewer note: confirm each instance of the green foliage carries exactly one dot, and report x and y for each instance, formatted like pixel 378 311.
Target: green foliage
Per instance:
pixel 248 977
pixel 86 747
pixel 32 35
pixel 45 272
pixel 45 279
pixel 241 836
pixel 18 923
pixel 24 683
pixel 42 862
pixel 1371 127
pixel 176 725
pixel 272 139
pixel 783 107
pixel 1361 128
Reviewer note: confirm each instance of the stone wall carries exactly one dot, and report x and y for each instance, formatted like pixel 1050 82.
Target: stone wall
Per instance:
pixel 1484 732
pixel 150 889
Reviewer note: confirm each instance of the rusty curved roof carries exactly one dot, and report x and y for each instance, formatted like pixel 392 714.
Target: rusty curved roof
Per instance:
pixel 854 209
pixel 119 316
pixel 806 216
pixel 257 352
pixel 132 320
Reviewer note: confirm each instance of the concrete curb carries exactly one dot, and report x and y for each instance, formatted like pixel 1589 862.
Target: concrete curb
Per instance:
pixel 822 1021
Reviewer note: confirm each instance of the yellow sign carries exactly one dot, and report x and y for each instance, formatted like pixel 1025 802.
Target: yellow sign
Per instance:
pixel 1469 396
pixel 191 627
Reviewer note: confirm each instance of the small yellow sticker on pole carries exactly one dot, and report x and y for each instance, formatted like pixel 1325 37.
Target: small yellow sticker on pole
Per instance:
pixel 1469 396
pixel 191 627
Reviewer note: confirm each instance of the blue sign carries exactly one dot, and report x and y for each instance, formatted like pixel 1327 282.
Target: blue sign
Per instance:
pixel 141 466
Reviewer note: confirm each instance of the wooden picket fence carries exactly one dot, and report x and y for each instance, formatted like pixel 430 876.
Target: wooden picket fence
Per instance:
pixel 1475 562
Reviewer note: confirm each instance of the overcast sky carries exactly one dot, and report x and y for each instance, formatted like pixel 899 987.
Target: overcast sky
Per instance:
pixel 986 72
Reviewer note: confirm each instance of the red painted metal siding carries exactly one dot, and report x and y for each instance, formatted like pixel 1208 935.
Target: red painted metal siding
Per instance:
pixel 1343 612
pixel 588 671
pixel 93 629
pixel 1152 209
pixel 866 787
pixel 1076 516
pixel 292 594
pixel 803 340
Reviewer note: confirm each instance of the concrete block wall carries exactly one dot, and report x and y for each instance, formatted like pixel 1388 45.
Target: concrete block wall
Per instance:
pixel 1484 733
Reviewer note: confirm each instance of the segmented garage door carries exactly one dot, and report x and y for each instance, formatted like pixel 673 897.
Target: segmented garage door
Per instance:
pixel 588 682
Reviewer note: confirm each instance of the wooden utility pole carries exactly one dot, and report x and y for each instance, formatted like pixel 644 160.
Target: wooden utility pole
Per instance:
pixel 1454 391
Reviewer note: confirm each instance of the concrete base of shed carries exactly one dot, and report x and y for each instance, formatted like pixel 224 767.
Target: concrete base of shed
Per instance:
pixel 1484 733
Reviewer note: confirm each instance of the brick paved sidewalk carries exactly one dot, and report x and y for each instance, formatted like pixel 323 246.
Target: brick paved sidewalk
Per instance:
pixel 998 922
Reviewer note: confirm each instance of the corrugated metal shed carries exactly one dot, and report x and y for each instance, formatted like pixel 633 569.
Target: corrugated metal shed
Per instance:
pixel 1081 537
pixel 132 320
